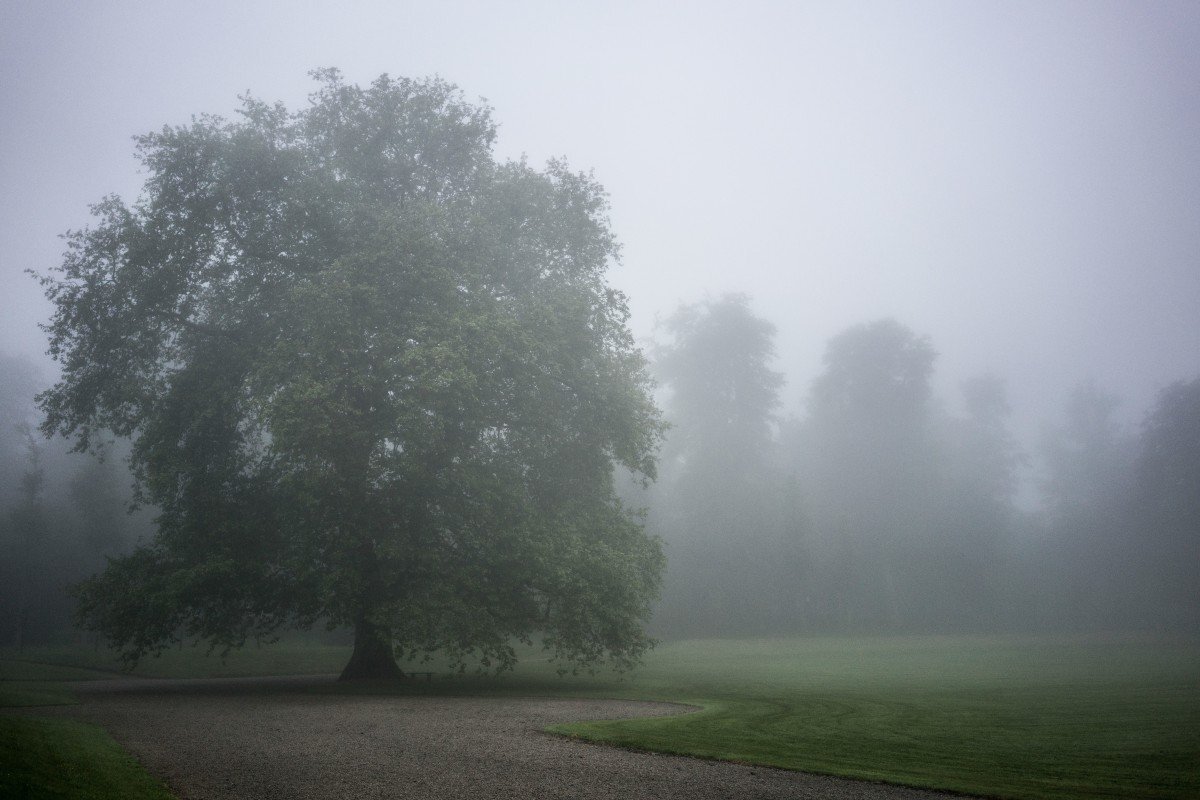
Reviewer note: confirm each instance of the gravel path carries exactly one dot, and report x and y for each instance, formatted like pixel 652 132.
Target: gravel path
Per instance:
pixel 266 739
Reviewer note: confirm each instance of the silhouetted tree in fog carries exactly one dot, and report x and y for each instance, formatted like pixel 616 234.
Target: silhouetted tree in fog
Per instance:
pixel 870 464
pixel 60 515
pixel 1168 506
pixel 1088 492
pixel 971 557
pixel 734 552
pixel 22 522
pixel 99 497
pixel 28 532
pixel 723 392
pixel 19 382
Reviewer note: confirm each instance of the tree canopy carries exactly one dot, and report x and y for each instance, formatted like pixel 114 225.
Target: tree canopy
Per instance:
pixel 373 377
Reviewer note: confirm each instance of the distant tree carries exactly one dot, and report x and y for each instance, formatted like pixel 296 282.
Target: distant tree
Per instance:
pixel 979 484
pixel 871 466
pixel 20 514
pixel 987 443
pixel 1089 458
pixel 28 527
pixel 97 493
pixel 724 394
pixel 876 374
pixel 721 500
pixel 1088 495
pixel 1168 505
pixel 19 382
pixel 371 377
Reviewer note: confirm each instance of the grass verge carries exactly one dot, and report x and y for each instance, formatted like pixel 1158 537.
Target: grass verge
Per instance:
pixel 42 758
pixel 54 758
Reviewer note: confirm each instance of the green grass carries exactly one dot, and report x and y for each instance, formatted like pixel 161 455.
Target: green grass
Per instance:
pixel 54 758
pixel 31 683
pixel 1014 717
pixel 36 667
pixel 1004 717
pixel 34 693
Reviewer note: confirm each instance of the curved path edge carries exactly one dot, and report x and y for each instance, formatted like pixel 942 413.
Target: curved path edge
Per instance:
pixel 292 738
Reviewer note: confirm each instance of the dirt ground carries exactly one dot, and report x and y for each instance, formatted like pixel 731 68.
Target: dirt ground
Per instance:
pixel 276 738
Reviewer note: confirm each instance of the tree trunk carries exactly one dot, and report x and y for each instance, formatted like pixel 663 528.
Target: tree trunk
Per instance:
pixel 372 658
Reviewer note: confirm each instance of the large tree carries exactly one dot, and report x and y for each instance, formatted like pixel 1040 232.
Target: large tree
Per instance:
pixel 373 377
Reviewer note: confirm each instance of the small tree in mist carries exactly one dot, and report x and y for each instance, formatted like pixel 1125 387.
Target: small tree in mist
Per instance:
pixel 371 377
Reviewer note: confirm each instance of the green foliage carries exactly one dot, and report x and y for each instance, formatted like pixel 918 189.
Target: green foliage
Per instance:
pixel 53 758
pixel 372 377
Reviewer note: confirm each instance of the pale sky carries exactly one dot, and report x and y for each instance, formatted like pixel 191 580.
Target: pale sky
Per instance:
pixel 1018 180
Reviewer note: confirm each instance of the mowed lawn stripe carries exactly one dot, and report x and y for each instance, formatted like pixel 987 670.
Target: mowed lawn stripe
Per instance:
pixel 1003 717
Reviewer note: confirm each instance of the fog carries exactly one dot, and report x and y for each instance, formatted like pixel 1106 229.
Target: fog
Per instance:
pixel 1009 191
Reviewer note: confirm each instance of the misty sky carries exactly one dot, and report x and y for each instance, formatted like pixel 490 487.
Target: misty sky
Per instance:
pixel 1019 181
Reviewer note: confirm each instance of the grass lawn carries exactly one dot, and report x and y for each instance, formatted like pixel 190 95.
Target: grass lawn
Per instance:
pixel 43 758
pixel 1014 717
pixel 55 758
pixel 34 693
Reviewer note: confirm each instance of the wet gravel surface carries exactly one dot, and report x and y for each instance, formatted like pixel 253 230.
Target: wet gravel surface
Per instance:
pixel 277 738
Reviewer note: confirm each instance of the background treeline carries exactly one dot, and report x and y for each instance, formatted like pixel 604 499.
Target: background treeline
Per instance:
pixel 870 508
pixel 875 509
pixel 61 514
